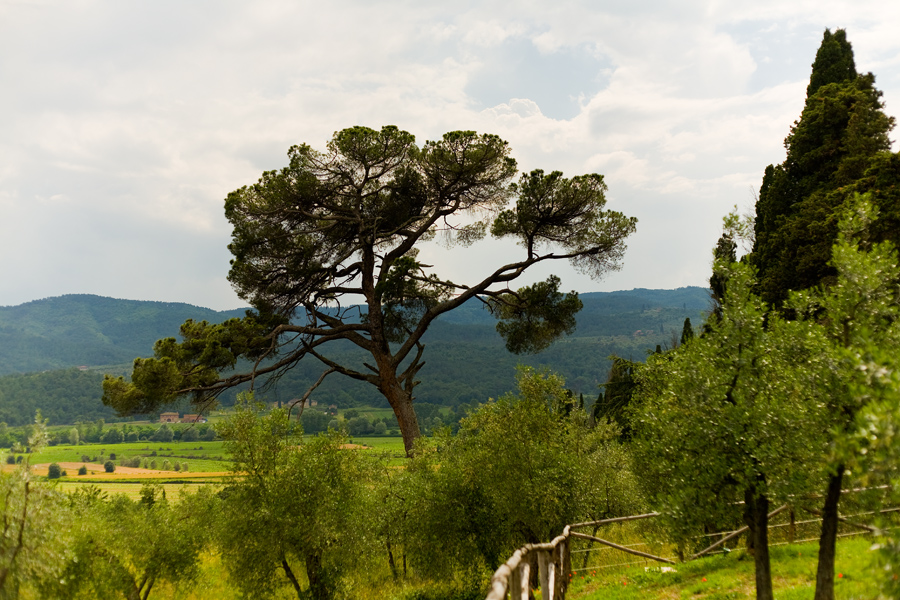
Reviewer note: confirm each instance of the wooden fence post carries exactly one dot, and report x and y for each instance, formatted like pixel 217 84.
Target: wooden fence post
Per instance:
pixel 544 563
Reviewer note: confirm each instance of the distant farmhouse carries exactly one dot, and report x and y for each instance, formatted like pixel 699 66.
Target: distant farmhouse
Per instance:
pixel 172 417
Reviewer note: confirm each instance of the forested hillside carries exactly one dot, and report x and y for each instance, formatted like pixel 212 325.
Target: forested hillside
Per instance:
pixel 42 343
pixel 76 330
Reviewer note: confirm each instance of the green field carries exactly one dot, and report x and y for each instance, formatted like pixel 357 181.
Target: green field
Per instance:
pixel 200 456
pixel 731 576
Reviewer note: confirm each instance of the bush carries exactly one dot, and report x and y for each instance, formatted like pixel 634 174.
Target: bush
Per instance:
pixel 10 459
pixel 184 466
pixel 209 435
pixel 145 464
pixel 112 456
pixel 166 466
pixel 131 436
pixel 54 471
pixel 190 434
pixel 109 466
pixel 82 470
pixel 153 464
pixel 177 466
pixel 113 435
pixel 85 458
pixel 163 434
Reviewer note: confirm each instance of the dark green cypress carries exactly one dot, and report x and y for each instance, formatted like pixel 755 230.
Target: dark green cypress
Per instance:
pixel 830 151
pixel 834 62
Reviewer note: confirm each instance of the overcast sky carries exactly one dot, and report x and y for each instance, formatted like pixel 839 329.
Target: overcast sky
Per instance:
pixel 124 124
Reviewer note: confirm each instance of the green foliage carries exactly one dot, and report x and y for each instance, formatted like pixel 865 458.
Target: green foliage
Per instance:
pixel 736 410
pixel 534 316
pixel 163 434
pixel 79 329
pixel 842 135
pixel 54 471
pixel 293 504
pixel 834 62
pixel 465 493
pixel 614 400
pixel 113 435
pixel 109 466
pixel 124 548
pixel 33 539
pixel 347 223
pixel 64 397
pixel 82 470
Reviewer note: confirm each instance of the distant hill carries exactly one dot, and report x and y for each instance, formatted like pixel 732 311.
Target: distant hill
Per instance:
pixel 81 329
pixel 465 358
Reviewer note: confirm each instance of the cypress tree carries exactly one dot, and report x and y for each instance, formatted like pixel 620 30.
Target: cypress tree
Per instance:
pixel 838 146
pixel 834 62
pixel 687 332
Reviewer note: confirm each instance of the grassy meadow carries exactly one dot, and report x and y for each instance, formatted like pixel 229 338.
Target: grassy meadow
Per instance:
pixel 731 576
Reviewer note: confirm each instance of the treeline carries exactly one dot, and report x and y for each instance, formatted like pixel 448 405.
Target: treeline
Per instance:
pixel 99 432
pixel 309 519
pixel 63 397
pixel 467 361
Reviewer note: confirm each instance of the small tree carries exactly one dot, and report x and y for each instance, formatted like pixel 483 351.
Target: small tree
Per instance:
pixel 54 471
pixel 733 419
pixel 109 466
pixel 73 436
pixel 82 470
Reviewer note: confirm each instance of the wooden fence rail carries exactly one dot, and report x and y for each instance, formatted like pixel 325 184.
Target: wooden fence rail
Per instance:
pixel 550 563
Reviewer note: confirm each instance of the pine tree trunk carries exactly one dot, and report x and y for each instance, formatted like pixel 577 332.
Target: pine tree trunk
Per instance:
pixel 828 538
pixel 402 404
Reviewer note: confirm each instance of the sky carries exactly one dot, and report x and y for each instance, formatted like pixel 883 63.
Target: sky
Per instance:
pixel 123 125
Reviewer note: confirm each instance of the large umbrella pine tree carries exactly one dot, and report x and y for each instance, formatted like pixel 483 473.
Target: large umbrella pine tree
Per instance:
pixel 326 251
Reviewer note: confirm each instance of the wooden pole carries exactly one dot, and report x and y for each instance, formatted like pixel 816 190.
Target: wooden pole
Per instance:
pixel 614 520
pixel 543 557
pixel 585 536
pixel 734 534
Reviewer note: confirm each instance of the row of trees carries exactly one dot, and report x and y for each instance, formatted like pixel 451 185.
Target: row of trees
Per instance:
pixel 771 403
pixel 306 517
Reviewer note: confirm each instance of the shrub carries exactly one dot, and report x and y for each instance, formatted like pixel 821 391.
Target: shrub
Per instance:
pixel 10 459
pixel 190 434
pixel 110 466
pixel 131 436
pixel 145 464
pixel 184 466
pixel 166 466
pixel 112 456
pixel 153 464
pixel 85 458
pixel 54 471
pixel 82 470
pixel 177 466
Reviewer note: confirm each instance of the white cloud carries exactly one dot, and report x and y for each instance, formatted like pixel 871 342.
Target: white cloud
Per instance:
pixel 125 125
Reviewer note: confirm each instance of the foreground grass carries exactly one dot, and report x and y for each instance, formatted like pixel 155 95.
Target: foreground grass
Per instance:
pixel 731 576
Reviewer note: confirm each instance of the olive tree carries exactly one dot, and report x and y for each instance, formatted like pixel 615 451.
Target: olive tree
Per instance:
pixel 722 423
pixel 294 506
pixel 327 252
